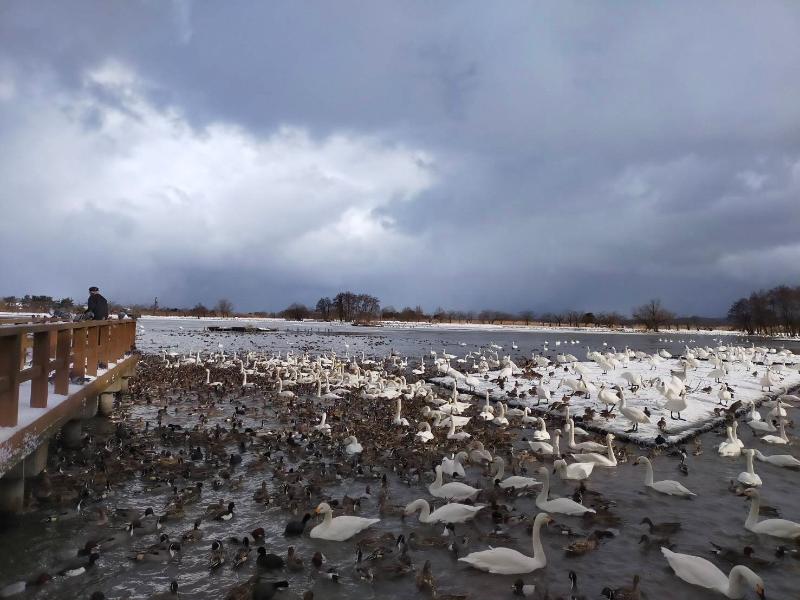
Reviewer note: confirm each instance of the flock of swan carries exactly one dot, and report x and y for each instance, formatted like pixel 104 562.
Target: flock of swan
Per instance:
pixel 527 386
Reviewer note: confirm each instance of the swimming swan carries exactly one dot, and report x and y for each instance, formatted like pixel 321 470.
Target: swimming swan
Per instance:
pixel 599 459
pixel 505 561
pixel 340 528
pixel 667 486
pixel 455 490
pixel 781 528
pixel 699 571
pixel 565 506
pixel 452 512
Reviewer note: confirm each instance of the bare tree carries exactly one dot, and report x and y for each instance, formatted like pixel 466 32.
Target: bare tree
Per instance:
pixel 652 315
pixel 324 308
pixel 224 307
pixel 296 312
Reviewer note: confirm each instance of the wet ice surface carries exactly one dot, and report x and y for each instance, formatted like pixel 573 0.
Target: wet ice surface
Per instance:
pixel 31 546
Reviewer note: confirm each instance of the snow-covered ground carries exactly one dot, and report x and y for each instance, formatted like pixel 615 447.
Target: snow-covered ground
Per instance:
pixel 700 413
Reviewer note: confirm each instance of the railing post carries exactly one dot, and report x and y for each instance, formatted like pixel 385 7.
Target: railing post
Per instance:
pixel 91 351
pixel 118 335
pixel 41 369
pixel 10 350
pixel 62 362
pixel 79 352
pixel 103 350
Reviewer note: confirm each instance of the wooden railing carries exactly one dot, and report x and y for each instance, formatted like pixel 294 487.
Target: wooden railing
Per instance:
pixel 67 350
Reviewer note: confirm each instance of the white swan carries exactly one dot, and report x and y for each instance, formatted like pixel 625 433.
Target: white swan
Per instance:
pixel 699 571
pixel 513 481
pixel 455 490
pixel 506 561
pixel 449 513
pixel 729 447
pixel 574 472
pixel 458 436
pixel 583 446
pixel 780 460
pixel 527 419
pixel 676 403
pixel 424 434
pixel 352 446
pixel 323 426
pixel 541 434
pixel 781 528
pixel 487 413
pixel 546 447
pixel 749 477
pixel 501 418
pixel 634 415
pixel 781 439
pixel 565 506
pixel 453 466
pixel 340 528
pixel 398 420
pixel 599 459
pixel 667 486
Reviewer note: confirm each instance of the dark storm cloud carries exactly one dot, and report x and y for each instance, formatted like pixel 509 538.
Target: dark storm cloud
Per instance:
pixel 541 156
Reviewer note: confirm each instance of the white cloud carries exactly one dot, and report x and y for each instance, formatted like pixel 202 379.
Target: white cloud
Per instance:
pixel 135 179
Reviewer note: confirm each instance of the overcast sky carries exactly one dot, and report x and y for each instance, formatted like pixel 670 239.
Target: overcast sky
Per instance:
pixel 531 155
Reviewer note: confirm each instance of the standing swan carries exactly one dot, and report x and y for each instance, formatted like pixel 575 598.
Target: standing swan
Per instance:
pixel 634 415
pixel 699 571
pixel 667 486
pixel 564 506
pixel 505 561
pixel 340 528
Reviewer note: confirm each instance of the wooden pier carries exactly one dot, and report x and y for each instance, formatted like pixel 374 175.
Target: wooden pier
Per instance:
pixel 51 376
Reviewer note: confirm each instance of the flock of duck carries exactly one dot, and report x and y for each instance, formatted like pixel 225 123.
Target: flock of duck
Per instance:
pixel 323 441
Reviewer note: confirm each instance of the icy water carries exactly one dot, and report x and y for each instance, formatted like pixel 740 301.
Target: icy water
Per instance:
pixel 30 546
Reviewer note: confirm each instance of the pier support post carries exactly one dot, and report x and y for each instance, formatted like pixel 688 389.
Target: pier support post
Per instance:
pixel 71 434
pixel 12 490
pixel 89 408
pixel 36 461
pixel 106 404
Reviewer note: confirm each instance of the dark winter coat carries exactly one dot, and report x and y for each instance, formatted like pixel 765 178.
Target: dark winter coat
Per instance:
pixel 98 306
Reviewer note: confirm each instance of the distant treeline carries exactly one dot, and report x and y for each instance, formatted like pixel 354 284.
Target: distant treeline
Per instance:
pixel 768 312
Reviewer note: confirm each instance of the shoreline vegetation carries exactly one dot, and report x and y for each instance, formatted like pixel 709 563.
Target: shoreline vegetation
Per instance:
pixel 770 313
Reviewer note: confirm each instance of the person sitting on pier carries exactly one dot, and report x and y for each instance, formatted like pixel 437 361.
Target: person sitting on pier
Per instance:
pixel 96 306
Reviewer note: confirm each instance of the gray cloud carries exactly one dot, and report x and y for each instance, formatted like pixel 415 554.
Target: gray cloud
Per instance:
pixel 538 156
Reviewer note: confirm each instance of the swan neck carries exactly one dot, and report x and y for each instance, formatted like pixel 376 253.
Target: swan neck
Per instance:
pixel 613 458
pixel 501 468
pixel 752 516
pixel 648 473
pixel 536 540
pixel 557 445
pixel 750 468
pixel 544 493
pixel 438 482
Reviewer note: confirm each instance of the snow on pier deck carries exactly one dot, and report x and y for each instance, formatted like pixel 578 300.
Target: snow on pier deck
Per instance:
pixel 700 416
